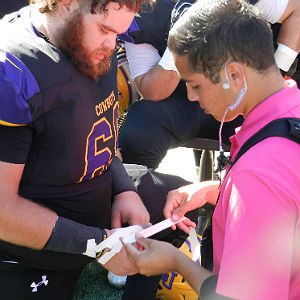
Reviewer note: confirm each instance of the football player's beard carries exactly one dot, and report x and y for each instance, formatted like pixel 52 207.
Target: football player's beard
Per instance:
pixel 71 44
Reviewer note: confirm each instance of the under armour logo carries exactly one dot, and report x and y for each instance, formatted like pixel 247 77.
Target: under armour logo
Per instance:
pixel 36 285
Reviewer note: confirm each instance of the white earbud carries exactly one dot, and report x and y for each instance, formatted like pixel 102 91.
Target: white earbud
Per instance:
pixel 239 97
pixel 226 85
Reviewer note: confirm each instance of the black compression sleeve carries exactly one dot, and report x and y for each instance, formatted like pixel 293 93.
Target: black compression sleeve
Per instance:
pixel 71 237
pixel 208 289
pixel 121 181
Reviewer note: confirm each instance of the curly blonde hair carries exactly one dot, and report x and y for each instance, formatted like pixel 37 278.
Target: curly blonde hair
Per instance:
pixel 95 6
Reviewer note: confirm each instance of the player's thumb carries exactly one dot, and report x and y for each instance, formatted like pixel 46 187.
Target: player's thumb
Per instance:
pixel 116 221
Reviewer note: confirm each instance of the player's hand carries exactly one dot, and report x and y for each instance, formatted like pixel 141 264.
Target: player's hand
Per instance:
pixel 121 265
pixel 188 198
pixel 129 208
pixel 155 258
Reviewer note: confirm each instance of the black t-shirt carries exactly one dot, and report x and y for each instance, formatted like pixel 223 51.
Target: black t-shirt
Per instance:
pixel 6 7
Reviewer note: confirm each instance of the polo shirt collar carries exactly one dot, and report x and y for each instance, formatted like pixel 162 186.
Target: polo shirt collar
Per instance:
pixel 268 110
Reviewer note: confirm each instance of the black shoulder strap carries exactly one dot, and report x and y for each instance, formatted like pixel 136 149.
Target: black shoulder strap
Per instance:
pixel 285 127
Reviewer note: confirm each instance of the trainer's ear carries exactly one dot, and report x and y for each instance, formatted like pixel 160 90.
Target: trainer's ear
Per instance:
pixel 235 74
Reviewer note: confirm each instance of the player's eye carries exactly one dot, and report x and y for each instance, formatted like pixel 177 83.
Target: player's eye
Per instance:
pixel 103 30
pixel 195 87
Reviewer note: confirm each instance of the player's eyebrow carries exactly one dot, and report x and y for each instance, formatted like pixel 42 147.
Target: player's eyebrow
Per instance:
pixel 186 80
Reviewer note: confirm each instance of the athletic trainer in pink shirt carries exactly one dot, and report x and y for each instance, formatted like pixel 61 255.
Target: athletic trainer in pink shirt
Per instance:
pixel 256 222
pixel 223 50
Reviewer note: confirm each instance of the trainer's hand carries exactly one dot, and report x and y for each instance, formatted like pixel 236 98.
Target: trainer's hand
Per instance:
pixel 129 208
pixel 188 198
pixel 155 258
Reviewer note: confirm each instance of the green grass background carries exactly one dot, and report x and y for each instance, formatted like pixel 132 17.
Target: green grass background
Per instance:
pixel 93 285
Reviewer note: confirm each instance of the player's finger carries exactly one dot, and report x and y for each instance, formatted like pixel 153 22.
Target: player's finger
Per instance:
pixel 116 221
pixel 147 225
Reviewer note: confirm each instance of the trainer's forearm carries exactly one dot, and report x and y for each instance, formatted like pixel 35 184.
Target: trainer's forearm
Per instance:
pixel 191 271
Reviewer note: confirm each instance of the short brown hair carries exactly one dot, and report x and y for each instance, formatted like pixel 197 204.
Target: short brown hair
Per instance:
pixel 213 32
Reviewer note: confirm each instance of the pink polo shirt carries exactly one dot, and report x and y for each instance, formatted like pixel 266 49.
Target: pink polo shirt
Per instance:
pixel 256 224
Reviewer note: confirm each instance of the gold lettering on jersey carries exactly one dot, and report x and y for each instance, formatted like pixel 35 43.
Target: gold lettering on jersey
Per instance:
pixel 106 104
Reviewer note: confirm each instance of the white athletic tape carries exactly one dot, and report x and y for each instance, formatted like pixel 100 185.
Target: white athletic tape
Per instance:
pixel 91 248
pixel 159 227
pixel 151 230
pixel 195 244
pixel 284 57
pixel 127 234
pixel 113 242
pixel 167 61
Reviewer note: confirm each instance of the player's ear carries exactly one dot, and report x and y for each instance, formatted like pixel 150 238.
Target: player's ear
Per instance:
pixel 66 7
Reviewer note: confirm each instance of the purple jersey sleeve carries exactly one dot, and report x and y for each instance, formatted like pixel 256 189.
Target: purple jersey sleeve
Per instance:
pixel 17 86
pixel 125 37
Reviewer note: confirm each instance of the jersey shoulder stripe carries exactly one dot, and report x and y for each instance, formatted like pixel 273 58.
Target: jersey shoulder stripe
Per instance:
pixel 17 86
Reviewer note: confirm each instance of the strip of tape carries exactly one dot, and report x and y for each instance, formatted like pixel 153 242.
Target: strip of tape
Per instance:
pixel 156 228
pixel 127 235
